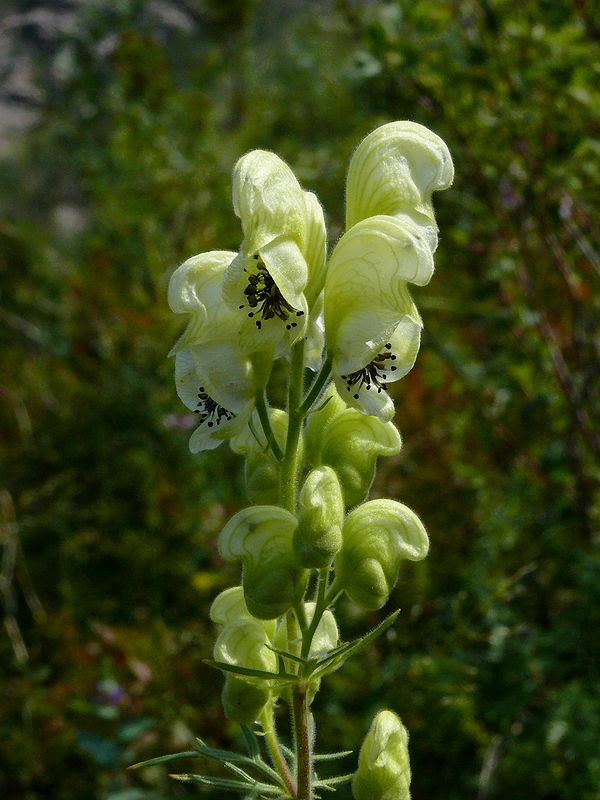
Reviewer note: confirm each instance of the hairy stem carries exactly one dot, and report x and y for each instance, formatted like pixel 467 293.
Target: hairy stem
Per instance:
pixel 277 758
pixel 301 717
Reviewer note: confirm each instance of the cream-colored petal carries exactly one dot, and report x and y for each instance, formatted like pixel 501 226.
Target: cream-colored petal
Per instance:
pixel 268 199
pixel 287 266
pixel 195 289
pixel 315 247
pixel 395 168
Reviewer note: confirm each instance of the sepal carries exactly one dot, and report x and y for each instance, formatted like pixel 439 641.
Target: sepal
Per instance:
pixel 395 169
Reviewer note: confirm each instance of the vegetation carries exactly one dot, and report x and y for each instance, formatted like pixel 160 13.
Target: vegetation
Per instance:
pixel 108 523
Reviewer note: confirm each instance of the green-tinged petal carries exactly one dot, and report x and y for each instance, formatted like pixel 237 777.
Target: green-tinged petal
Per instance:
pixel 377 536
pixel 217 421
pixel 364 383
pixel 396 168
pixel 244 643
pixel 315 248
pixel 383 763
pixel 195 289
pixel 263 312
pixel 318 536
pixel 225 372
pixel 331 406
pixel 371 401
pixel 230 606
pixel 268 200
pixel 287 266
pixel 261 537
pixel 315 336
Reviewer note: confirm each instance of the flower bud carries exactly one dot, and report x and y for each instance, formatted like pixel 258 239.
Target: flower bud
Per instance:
pixel 243 643
pixel 383 765
pixel 243 702
pixel 318 536
pixel 230 606
pixel 377 536
pixel 350 443
pixel 261 468
pixel 261 537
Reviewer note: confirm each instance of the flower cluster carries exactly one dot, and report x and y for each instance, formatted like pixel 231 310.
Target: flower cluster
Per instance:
pixel 349 323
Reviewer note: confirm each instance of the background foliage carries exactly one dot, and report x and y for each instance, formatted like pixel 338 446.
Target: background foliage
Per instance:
pixel 130 115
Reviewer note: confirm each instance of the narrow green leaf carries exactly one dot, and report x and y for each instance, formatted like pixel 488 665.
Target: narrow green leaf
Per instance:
pixel 276 677
pixel 207 780
pixel 163 759
pixel 251 742
pixel 329 783
pixel 286 654
pixel 228 757
pixel 332 756
pixel 342 653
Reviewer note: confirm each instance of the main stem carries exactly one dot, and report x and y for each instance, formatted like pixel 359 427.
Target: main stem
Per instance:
pixel 301 717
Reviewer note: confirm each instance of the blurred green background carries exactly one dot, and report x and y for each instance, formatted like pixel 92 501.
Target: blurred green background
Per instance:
pixel 121 122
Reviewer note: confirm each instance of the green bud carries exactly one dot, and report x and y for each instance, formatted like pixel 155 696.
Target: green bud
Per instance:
pixel 350 443
pixel 229 606
pixel 383 765
pixel 318 536
pixel 243 643
pixel 261 537
pixel 261 468
pixel 377 536
pixel 243 702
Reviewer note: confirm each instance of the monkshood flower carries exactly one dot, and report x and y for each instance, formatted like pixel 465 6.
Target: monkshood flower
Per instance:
pixel 279 271
pixel 213 377
pixel 394 171
pixel 372 326
pixel 383 765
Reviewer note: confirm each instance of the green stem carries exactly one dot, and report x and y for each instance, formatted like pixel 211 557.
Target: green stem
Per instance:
pixel 263 415
pixel 317 387
pixel 289 467
pixel 301 717
pixel 320 606
pixel 267 720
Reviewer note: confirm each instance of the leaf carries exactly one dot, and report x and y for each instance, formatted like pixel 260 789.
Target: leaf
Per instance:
pixel 251 742
pixel 329 783
pixel 280 678
pixel 332 756
pixel 228 757
pixel 163 759
pixel 342 653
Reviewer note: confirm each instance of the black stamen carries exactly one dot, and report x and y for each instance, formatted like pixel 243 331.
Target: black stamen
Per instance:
pixel 372 375
pixel 210 411
pixel 262 293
